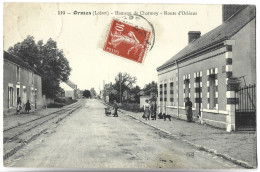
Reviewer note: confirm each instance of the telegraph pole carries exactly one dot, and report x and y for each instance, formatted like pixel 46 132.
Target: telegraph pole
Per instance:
pixel 120 84
pixel 119 79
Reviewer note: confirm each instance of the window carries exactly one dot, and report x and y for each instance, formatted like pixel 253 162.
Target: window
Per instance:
pixel 187 88
pixel 35 98
pixel 212 90
pixel 161 93
pixel 17 93
pixel 171 93
pixel 198 89
pixel 18 74
pixel 10 97
pixel 165 92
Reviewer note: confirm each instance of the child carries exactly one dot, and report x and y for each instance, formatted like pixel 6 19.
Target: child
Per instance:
pixel 27 107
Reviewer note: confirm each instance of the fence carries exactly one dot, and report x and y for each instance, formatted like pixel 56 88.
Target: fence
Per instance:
pixel 246 108
pixel 246 99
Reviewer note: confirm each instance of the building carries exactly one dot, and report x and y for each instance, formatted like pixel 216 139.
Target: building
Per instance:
pixel 210 70
pixel 20 80
pixel 70 89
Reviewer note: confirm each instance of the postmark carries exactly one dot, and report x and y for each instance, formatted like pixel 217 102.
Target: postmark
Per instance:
pixel 127 41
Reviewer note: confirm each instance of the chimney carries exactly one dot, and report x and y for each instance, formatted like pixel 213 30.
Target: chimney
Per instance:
pixel 230 10
pixel 193 35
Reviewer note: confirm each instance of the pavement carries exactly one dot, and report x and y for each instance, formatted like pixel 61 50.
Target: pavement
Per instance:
pixel 90 139
pixel 239 147
pixel 17 119
pixel 12 120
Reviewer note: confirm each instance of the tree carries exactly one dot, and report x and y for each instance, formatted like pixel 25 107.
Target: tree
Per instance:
pixel 150 88
pixel 135 97
pixel 86 93
pixel 126 81
pixel 93 92
pixel 47 59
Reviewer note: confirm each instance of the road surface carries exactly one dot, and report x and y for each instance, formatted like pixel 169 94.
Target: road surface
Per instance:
pixel 90 139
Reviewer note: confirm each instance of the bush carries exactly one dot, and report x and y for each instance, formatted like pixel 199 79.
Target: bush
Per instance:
pixel 55 105
pixel 60 100
pixel 133 107
pixel 64 100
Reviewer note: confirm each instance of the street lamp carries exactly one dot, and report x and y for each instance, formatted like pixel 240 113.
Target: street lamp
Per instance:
pixel 119 79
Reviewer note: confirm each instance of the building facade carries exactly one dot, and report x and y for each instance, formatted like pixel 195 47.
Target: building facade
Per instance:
pixel 70 90
pixel 20 80
pixel 210 69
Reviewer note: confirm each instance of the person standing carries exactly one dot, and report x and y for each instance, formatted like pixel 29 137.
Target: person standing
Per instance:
pixel 27 106
pixel 188 107
pixel 147 109
pixel 19 106
pixel 153 110
pixel 115 109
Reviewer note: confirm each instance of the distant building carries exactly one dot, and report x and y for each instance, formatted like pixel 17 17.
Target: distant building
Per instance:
pixel 70 90
pixel 210 69
pixel 20 80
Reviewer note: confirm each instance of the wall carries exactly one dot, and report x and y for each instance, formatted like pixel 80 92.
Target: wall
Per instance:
pixel 214 59
pixel 203 63
pixel 38 91
pixel 236 58
pixel 9 77
pixel 27 87
pixel 244 57
pixel 70 93
pixel 46 101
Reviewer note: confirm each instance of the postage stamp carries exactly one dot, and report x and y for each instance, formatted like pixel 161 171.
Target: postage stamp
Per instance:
pixel 127 41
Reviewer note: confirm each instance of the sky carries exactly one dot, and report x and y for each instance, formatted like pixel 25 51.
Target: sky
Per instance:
pixel 82 37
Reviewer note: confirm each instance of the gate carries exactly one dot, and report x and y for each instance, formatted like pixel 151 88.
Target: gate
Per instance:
pixel 246 108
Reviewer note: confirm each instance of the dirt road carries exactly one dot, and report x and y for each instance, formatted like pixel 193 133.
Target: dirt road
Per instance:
pixel 90 139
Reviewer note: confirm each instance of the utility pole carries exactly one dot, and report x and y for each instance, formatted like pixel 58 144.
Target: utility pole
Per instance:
pixel 119 79
pixel 120 88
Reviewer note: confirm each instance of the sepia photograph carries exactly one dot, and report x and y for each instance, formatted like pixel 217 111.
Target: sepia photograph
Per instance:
pixel 130 86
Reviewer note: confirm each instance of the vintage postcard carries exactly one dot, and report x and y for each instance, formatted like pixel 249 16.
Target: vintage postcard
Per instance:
pixel 129 86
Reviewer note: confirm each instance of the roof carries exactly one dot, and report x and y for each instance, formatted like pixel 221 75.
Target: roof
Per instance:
pixel 194 32
pixel 219 34
pixel 65 86
pixel 71 84
pixel 17 60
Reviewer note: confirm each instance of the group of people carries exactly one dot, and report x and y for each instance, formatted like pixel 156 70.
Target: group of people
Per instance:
pixel 150 109
pixel 19 106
